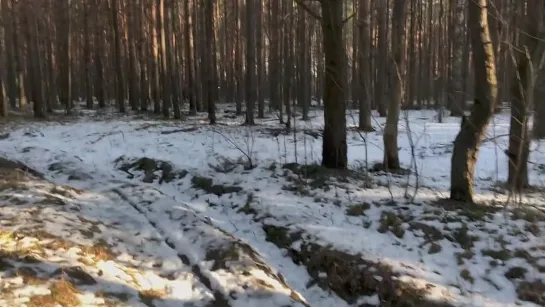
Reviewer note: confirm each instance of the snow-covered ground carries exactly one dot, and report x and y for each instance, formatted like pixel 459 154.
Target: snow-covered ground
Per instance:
pixel 183 220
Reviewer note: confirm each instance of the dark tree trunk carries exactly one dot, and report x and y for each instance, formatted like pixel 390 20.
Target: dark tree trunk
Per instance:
pixel 334 151
pixel 468 140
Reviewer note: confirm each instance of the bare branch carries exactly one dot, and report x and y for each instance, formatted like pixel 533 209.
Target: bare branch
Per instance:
pixel 348 18
pixel 309 10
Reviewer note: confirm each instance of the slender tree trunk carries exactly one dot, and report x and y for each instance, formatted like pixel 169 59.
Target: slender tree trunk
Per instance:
pixel 163 74
pixel 529 60
pixel 87 56
pixel 10 83
pixel 391 154
pixel 210 69
pixel 287 65
pixel 3 62
pixel 100 82
pixel 364 21
pixel 468 140
pixel 120 89
pixel 189 60
pixel 382 78
pixel 250 62
pixel 334 149
pixel 145 89
pixel 238 58
pixel 302 69
pixel 274 65
pixel 65 59
pixel 155 63
pixel 260 62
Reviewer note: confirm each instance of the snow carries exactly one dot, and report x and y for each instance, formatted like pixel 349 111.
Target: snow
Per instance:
pixel 163 232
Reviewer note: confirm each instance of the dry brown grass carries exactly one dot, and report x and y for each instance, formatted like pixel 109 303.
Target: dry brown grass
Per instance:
pixel 62 293
pixel 30 276
pixel 147 296
pixel 100 251
pixel 350 276
pixel 533 291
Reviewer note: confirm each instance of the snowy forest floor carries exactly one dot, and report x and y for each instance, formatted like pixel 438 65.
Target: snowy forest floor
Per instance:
pixel 112 210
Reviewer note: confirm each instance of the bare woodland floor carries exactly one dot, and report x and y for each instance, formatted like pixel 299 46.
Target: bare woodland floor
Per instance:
pixel 106 210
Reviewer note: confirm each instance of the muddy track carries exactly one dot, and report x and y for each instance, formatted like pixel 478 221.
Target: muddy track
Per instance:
pixel 219 299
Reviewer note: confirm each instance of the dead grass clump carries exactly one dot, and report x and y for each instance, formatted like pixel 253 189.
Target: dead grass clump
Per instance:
pixel 12 179
pixel 466 275
pixel 75 275
pixel 532 291
pixel 389 221
pixel 472 211
pixel 431 233
pixel 463 237
pixel 149 167
pixel 30 276
pixel 62 293
pixel 100 251
pixel 221 256
pixel 148 296
pixel 500 254
pixel 207 185
pixel 358 210
pixel 316 176
pixel 281 236
pixel 351 276
pixel 528 214
pixel 109 296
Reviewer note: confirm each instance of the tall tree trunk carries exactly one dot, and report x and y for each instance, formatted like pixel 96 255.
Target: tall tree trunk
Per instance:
pixel 3 62
pixel 87 56
pixel 100 82
pixel 303 73
pixel 189 88
pixel 287 64
pixel 210 69
pixel 10 82
pixel 364 61
pixel 382 78
pixel 155 63
pixel 164 75
pixel 260 62
pixel 143 55
pixel 529 60
pixel 334 150
pixel 391 154
pixel 174 58
pixel 134 73
pixel 238 58
pixel 274 65
pixel 120 89
pixel 65 59
pixel 35 56
pixel 468 140
pixel 250 62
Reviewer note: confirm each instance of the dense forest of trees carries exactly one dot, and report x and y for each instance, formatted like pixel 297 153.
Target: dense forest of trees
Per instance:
pixel 168 56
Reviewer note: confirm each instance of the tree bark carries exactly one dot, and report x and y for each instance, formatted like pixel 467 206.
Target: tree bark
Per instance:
pixel 468 140
pixel 210 69
pixel 529 59
pixel 391 154
pixel 250 62
pixel 120 88
pixel 3 63
pixel 364 22
pixel 334 150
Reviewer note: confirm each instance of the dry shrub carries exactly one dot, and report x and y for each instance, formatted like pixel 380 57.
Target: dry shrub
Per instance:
pixel 62 293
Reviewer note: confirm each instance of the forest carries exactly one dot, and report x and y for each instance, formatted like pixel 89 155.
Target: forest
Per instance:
pixel 272 152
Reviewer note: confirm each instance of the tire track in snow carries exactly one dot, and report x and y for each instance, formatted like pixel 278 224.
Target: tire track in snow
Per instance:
pixel 219 299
